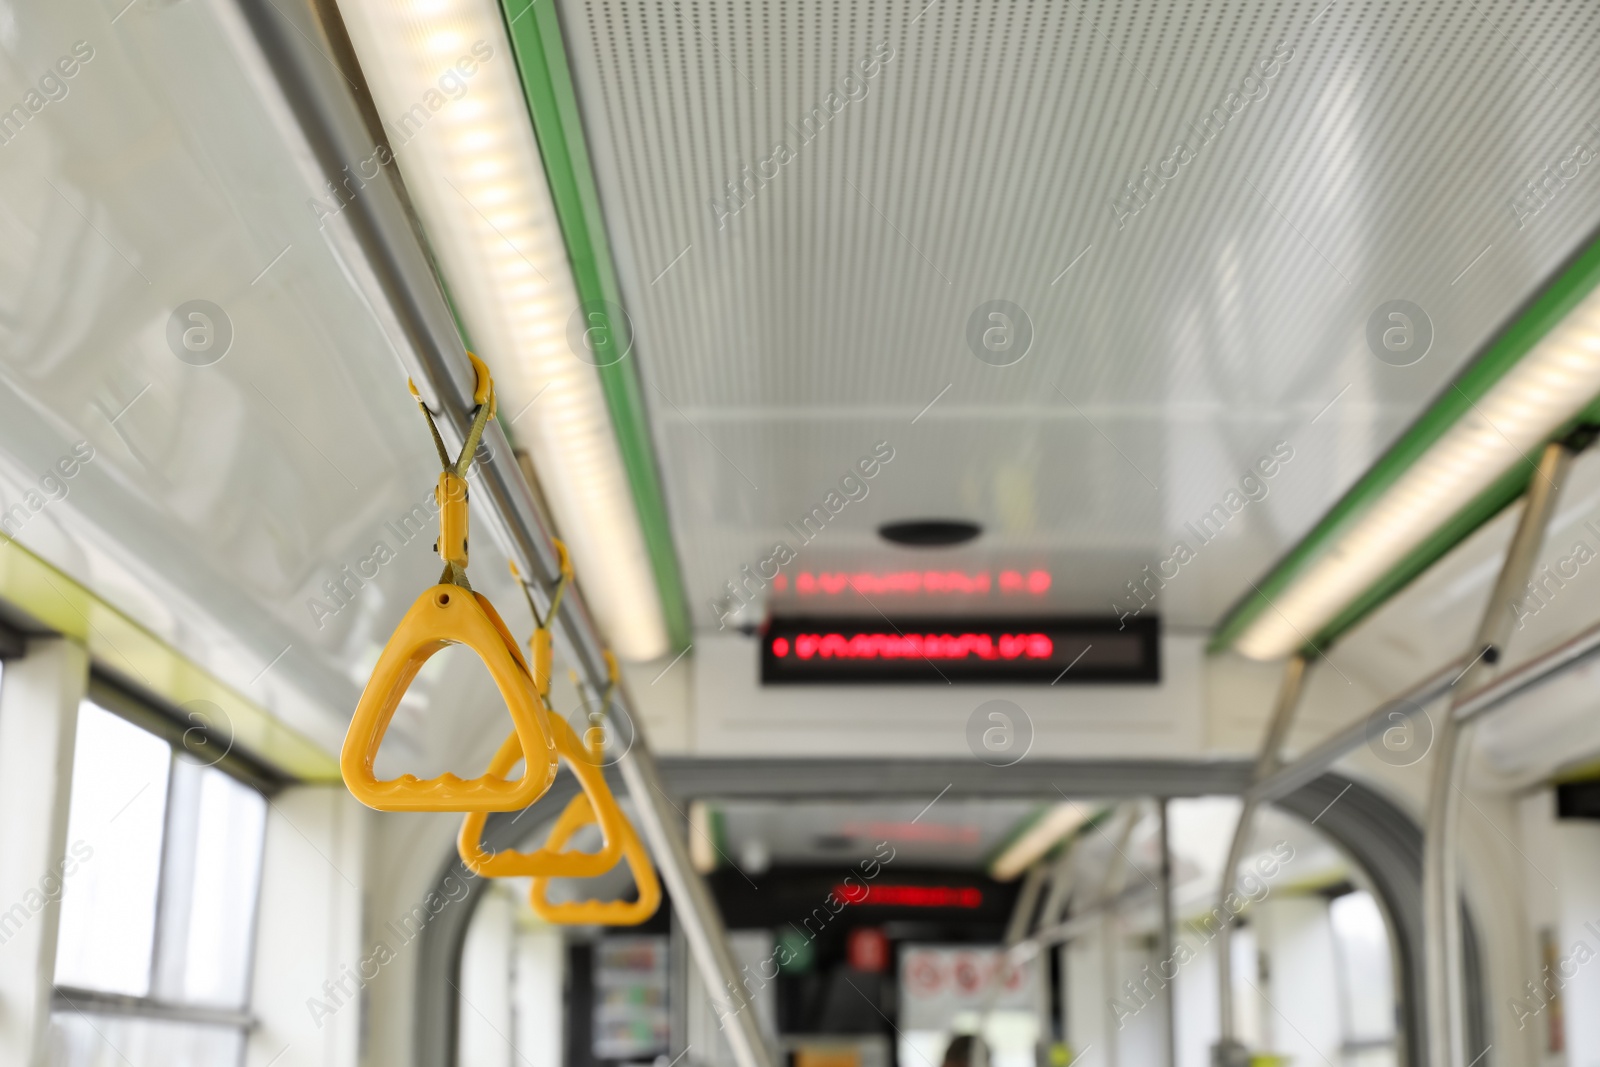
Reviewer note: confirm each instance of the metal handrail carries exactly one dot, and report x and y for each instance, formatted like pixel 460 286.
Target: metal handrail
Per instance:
pixel 1441 892
pixel 1487 698
pixel 1308 765
pixel 1228 1051
pixel 377 243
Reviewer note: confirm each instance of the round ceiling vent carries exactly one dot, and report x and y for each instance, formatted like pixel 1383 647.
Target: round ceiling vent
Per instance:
pixel 929 533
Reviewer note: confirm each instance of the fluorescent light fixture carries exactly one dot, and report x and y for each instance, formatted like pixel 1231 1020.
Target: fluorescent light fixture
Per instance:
pixel 1542 391
pixel 446 86
pixel 702 840
pixel 1057 823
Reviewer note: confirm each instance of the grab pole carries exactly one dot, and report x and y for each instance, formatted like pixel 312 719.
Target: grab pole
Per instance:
pixel 1441 892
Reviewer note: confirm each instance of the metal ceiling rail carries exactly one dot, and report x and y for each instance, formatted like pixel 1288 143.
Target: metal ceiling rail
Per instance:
pixel 1079 925
pixel 1530 675
pixel 1306 767
pixel 377 241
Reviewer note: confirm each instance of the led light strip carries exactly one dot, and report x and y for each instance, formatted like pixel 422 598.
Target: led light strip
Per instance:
pixel 445 83
pixel 1551 384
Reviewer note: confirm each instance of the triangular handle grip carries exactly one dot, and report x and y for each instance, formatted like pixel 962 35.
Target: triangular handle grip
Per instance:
pixel 446 615
pixel 597 912
pixel 549 861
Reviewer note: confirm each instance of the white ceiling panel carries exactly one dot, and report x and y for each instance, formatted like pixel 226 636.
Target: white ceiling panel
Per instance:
pixel 1370 152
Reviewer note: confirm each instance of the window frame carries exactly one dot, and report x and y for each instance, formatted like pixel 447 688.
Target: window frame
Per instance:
pixel 181 731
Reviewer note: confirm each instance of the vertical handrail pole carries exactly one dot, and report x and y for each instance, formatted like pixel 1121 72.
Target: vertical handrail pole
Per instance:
pixel 693 907
pixel 1019 926
pixel 1228 1051
pixel 1115 881
pixel 1024 919
pixel 1441 892
pixel 1169 1005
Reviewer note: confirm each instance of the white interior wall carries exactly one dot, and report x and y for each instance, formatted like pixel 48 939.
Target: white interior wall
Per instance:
pixel 1249 1011
pixel 1495 867
pixel 539 991
pixel 39 697
pixel 1088 1023
pixel 512 993
pixel 487 974
pixel 662 691
pixel 1109 1024
pixel 1300 992
pixel 404 855
pixel 1195 1004
pixel 1576 857
pixel 1567 905
pixel 1142 1036
pixel 310 957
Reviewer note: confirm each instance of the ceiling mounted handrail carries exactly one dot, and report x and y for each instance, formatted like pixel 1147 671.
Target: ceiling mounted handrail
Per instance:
pixel 376 241
pixel 1537 671
pixel 1308 765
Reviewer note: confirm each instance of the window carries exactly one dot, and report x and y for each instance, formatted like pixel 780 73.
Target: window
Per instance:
pixel 1366 977
pixel 158 910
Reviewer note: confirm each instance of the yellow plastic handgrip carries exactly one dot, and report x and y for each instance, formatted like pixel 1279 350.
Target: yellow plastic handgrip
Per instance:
pixel 446 615
pixel 543 655
pixel 595 912
pixel 548 861
pixel 451 496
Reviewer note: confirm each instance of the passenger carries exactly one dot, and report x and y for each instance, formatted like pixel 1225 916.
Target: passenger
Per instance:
pixel 965 1050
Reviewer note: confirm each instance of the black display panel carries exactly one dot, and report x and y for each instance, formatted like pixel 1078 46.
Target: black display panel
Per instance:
pixel 1059 651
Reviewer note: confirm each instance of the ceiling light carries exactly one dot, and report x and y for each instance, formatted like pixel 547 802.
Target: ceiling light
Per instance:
pixel 1503 425
pixel 1056 824
pixel 446 85
pixel 703 824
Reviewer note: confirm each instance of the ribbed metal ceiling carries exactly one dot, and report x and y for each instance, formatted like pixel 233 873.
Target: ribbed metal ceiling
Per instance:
pixel 1369 152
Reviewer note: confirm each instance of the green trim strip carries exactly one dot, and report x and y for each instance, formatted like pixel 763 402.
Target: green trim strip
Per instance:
pixel 118 644
pixel 553 104
pixel 1572 284
pixel 719 831
pixel 1588 771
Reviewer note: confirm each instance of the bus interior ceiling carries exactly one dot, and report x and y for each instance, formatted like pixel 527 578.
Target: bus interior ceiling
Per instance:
pixel 1005 533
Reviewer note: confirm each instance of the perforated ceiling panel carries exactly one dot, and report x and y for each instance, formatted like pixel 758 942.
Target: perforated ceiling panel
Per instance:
pixel 1194 208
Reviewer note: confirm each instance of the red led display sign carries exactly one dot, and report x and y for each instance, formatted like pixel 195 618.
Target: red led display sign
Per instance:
pixel 911 896
pixel 916 583
pixel 996 651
